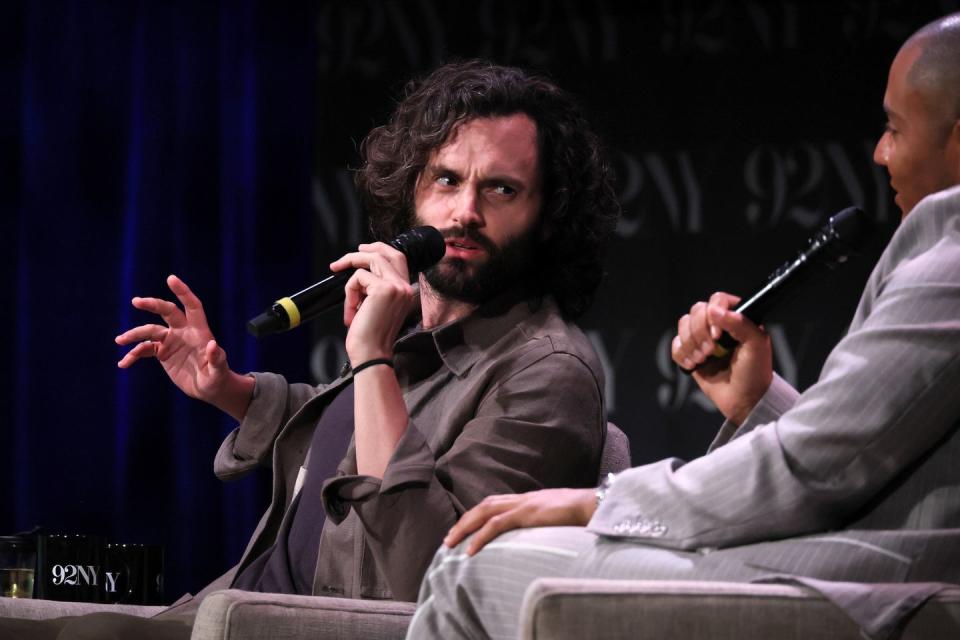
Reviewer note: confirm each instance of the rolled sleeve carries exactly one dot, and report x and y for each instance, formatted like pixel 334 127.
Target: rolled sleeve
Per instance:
pixel 266 413
pixel 412 463
pixel 343 492
pixel 250 445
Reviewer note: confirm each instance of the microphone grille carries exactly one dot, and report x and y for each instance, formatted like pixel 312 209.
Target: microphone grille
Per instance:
pixel 423 246
pixel 850 225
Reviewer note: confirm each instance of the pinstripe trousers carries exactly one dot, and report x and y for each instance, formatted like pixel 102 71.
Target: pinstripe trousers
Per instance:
pixel 481 597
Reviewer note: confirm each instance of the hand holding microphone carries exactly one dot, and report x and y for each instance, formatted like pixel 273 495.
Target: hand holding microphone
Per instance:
pixel 422 246
pixel 728 326
pixel 734 385
pixel 377 300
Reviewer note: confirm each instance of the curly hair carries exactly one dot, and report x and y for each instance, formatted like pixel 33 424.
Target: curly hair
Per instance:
pixel 579 209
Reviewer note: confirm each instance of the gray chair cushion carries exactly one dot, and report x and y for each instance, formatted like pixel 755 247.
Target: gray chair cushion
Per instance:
pixel 562 608
pixel 43 609
pixel 238 615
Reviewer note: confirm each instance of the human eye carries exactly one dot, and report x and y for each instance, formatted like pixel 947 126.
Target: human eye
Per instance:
pixel 504 190
pixel 889 128
pixel 446 180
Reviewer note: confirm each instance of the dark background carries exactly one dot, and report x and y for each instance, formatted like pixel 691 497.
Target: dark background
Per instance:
pixel 215 140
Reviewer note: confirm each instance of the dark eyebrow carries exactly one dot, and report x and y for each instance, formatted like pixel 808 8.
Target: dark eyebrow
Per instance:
pixel 514 183
pixel 439 169
pixel 434 170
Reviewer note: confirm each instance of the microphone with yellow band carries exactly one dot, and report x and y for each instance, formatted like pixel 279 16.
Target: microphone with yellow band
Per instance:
pixel 423 247
pixel 830 247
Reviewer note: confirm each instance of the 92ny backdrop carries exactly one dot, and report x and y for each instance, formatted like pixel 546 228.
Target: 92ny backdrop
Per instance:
pixel 215 140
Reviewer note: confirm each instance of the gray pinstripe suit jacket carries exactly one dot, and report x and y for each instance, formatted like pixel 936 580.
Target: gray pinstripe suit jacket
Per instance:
pixel 864 465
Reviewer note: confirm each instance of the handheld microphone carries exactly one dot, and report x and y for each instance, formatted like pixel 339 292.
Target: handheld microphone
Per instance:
pixel 423 247
pixel 829 247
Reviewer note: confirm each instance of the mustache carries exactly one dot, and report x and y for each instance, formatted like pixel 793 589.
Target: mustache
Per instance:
pixel 469 233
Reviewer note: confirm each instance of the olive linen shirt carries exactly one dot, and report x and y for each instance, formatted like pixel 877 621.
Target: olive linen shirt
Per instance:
pixel 507 399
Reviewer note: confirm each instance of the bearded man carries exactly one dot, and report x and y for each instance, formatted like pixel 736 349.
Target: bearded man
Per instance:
pixel 474 381
pixel 480 383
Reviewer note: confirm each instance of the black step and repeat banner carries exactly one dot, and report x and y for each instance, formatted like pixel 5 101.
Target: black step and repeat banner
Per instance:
pixel 176 137
pixel 736 127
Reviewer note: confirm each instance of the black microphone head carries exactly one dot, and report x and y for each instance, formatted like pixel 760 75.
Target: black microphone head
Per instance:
pixel 850 225
pixel 840 238
pixel 829 247
pixel 423 246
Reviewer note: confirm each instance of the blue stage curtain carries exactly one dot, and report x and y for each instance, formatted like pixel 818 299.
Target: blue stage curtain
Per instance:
pixel 147 138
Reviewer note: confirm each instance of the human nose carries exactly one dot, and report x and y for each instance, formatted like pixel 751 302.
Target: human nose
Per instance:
pixel 881 153
pixel 467 209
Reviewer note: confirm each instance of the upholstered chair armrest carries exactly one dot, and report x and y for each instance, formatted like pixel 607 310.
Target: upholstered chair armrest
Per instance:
pixel 564 608
pixel 42 609
pixel 239 615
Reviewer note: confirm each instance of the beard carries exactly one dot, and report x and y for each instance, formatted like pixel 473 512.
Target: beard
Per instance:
pixel 505 267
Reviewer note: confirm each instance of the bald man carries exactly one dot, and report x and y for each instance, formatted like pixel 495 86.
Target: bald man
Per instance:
pixel 869 453
pixel 920 146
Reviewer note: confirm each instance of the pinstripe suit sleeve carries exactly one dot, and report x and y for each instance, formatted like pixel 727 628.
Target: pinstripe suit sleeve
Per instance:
pixel 887 394
pixel 778 399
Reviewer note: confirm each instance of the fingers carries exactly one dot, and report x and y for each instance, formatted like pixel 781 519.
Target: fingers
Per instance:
pixel 150 332
pixel 216 357
pixel 353 260
pixel 496 525
pixel 694 341
pixel 146 349
pixel 697 333
pixel 170 312
pixel 364 284
pixel 192 312
pixel 378 258
pixel 699 339
pixel 736 324
pixel 681 349
pixel 724 300
pixel 477 517
pixel 374 263
pixel 150 337
pixel 191 303
pixel 355 291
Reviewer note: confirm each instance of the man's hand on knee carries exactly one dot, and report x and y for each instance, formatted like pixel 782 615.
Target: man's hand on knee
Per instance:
pixel 500 513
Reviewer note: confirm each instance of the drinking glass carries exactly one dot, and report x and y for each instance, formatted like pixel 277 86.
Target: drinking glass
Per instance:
pixel 18 561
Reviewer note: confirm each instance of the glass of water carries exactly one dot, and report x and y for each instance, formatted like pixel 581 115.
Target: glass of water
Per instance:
pixel 18 559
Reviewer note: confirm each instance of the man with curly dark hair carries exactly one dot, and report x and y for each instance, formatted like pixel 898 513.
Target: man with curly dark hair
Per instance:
pixel 561 254
pixel 472 382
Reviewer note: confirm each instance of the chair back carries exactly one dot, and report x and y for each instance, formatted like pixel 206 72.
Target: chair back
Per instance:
pixel 616 452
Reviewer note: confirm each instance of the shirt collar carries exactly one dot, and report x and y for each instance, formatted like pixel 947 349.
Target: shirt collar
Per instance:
pixel 460 343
